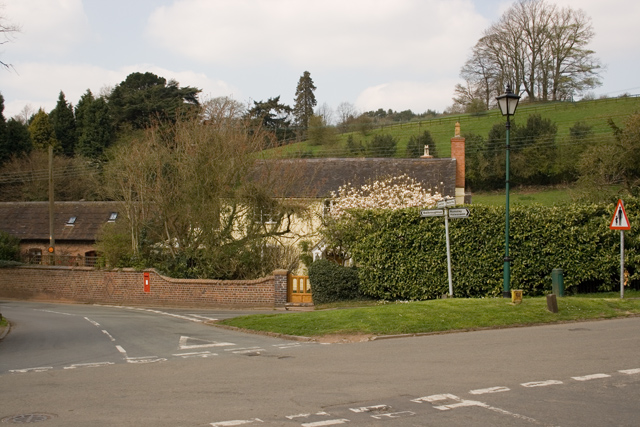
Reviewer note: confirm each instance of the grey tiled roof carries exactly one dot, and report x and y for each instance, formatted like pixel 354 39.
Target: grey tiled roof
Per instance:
pixel 317 178
pixel 30 220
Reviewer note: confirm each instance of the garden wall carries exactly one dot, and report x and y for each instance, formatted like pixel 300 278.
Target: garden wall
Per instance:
pixel 127 286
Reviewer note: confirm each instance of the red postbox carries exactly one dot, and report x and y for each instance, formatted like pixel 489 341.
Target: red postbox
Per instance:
pixel 147 284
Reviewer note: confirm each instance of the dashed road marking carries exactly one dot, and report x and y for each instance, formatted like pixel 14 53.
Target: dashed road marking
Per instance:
pixel 39 369
pixel 541 383
pixel 375 408
pixel 109 335
pixel 591 377
pixel 245 350
pixel 630 371
pixel 204 317
pixel 196 354
pixel 394 415
pixel 236 422
pixel 326 423
pixel 291 417
pixel 88 365
pixel 490 390
pixel 93 322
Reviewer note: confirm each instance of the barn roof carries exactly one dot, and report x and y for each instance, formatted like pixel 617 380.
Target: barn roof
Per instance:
pixel 77 221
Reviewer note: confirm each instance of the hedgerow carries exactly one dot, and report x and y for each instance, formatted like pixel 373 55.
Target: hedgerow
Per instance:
pixel 403 256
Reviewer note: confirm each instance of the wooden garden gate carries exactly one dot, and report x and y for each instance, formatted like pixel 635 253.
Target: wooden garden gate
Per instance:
pixel 299 290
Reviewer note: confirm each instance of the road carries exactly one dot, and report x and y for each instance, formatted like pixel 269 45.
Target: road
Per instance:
pixel 60 365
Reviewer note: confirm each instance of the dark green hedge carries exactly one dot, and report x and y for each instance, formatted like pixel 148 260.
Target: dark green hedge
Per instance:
pixel 402 256
pixel 331 282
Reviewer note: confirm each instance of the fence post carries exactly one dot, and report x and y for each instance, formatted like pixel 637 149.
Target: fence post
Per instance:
pixel 281 280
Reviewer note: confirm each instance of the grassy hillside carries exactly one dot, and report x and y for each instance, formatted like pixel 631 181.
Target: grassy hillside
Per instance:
pixel 565 114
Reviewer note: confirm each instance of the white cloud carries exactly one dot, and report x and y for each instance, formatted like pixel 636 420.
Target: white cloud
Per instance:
pixel 75 79
pixel 416 96
pixel 419 35
pixel 47 27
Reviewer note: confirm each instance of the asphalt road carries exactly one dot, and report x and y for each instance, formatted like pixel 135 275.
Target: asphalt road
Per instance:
pixel 58 364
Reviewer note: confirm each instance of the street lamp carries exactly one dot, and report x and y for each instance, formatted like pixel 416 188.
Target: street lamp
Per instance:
pixel 508 104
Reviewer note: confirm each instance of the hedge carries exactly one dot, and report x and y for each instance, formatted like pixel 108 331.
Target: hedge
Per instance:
pixel 331 282
pixel 403 256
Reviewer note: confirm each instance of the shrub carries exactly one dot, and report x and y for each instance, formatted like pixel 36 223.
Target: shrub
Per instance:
pixel 9 247
pixel 331 282
pixel 402 256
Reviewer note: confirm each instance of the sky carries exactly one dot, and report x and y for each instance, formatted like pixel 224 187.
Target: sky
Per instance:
pixel 390 54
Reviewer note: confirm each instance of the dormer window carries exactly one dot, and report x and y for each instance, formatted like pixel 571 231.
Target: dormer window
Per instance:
pixel 113 216
pixel 71 220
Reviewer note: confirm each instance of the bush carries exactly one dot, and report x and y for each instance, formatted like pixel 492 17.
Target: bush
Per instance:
pixel 402 256
pixel 9 247
pixel 331 282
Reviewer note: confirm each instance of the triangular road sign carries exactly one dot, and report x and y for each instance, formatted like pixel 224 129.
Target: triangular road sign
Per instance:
pixel 620 220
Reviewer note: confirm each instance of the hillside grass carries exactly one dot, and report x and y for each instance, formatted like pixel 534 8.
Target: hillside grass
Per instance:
pixel 595 113
pixel 440 316
pixel 527 196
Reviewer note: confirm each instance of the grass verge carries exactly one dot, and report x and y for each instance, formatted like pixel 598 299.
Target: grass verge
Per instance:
pixel 437 316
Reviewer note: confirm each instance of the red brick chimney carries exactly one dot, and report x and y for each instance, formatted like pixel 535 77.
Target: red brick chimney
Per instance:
pixel 457 152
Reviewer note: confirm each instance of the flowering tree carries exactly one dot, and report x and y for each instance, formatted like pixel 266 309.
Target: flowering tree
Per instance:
pixel 392 193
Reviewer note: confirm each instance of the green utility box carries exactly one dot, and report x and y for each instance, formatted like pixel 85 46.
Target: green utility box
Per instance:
pixel 557 282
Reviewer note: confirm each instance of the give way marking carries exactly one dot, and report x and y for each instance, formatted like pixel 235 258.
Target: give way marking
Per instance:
pixel 188 343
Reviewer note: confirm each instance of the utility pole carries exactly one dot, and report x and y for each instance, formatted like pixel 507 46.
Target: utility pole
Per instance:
pixel 52 240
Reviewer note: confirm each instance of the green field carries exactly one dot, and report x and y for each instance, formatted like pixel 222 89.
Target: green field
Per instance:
pixel 527 196
pixel 440 315
pixel 565 114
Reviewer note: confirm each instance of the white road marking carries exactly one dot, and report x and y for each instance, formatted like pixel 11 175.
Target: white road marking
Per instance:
pixel 93 322
pixel 287 345
pixel 326 423
pixel 394 415
pixel 490 390
pixel 591 377
pixel 541 383
pixel 245 350
pixel 460 403
pixel 109 335
pixel 370 408
pixel 204 343
pixel 196 354
pixel 55 312
pixel 150 359
pixel 630 371
pixel 88 365
pixel 122 350
pixel 203 317
pixel 39 369
pixel 236 422
pixel 291 417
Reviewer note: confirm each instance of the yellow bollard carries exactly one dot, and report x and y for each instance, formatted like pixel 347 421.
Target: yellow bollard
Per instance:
pixel 516 296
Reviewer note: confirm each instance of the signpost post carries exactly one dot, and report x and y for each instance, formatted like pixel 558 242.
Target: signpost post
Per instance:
pixel 620 222
pixel 443 210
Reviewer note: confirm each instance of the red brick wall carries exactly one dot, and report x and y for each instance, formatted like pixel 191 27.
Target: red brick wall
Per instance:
pixel 88 285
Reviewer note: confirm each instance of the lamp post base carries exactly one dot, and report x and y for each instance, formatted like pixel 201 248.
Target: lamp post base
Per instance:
pixel 506 294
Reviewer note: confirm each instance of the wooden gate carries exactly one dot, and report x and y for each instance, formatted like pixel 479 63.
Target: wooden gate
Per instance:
pixel 299 290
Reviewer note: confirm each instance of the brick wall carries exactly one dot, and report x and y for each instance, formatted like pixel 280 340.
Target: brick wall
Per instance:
pixel 88 285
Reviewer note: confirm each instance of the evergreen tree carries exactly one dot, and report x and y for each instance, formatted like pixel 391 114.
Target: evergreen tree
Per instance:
pixel 3 125
pixel 305 101
pixel 42 133
pixel 273 117
pixel 64 125
pixel 17 141
pixel 97 130
pixel 80 112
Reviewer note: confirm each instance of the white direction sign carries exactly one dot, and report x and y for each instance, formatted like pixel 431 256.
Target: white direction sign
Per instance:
pixel 444 203
pixel 459 213
pixel 431 212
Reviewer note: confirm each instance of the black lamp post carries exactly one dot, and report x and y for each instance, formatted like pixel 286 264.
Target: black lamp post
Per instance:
pixel 508 104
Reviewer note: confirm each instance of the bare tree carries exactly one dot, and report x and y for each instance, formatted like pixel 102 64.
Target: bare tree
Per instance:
pixel 7 30
pixel 539 49
pixel 193 199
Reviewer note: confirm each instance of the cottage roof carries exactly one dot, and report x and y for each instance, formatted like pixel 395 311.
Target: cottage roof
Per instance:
pixel 317 178
pixel 30 220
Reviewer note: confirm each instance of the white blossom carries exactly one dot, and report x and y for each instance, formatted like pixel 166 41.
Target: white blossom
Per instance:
pixel 392 193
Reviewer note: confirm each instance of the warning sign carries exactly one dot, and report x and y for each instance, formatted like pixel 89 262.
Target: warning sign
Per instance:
pixel 620 220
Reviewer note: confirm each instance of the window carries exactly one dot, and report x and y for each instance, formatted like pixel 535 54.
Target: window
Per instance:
pixel 113 216
pixel 35 256
pixel 328 204
pixel 71 220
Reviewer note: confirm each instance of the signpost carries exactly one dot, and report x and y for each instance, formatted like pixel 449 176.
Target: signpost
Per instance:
pixel 620 222
pixel 443 210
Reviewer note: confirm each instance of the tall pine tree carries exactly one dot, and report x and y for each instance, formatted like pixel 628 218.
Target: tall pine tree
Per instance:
pixel 305 102
pixel 64 125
